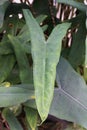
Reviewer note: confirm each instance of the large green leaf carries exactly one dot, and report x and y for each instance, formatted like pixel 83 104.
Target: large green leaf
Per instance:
pixel 38 53
pixel 25 70
pixel 77 51
pixel 6 65
pixel 14 95
pixel 45 56
pixel 70 98
pixel 75 4
pixel 11 119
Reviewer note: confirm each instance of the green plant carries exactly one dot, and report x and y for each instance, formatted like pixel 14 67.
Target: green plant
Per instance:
pixel 40 73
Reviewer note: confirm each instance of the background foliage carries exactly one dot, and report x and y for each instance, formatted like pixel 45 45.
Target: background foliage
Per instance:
pixel 43 63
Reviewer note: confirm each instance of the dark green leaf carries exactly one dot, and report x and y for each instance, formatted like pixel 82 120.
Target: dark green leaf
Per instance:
pixel 12 25
pixel 41 7
pixel 15 9
pixel 77 51
pixel 6 65
pixel 14 77
pixel 5 48
pixel 25 70
pixel 12 120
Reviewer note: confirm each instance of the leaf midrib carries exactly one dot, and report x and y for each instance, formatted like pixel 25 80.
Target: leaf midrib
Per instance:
pixel 73 98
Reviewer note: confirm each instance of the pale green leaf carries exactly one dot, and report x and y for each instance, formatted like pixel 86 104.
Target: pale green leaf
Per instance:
pixel 44 66
pixel 53 50
pixel 13 95
pixel 38 49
